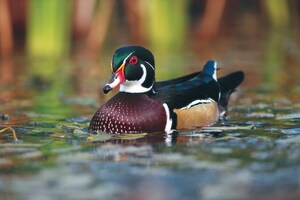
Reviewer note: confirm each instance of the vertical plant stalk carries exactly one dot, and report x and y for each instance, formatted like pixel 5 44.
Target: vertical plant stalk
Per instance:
pixel 272 71
pixel 166 23
pixel 49 26
pixel 99 26
pixel 277 12
pixel 6 36
pixel 135 12
pixel 209 25
pixel 82 17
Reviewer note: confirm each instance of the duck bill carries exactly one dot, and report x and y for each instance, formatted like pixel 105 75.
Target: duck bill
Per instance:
pixel 115 80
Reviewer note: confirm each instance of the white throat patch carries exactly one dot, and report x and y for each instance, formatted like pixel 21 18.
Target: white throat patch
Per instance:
pixel 136 86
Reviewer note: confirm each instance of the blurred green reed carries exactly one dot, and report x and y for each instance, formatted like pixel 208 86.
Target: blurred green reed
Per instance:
pixel 49 24
pixel 167 23
pixel 274 57
pixel 277 12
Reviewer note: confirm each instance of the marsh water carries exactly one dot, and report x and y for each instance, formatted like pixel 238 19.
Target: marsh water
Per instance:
pixel 256 156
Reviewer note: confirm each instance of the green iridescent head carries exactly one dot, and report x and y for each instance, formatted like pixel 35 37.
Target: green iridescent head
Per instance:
pixel 122 53
pixel 132 70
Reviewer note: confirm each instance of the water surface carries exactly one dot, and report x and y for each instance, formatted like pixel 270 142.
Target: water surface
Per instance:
pixel 54 159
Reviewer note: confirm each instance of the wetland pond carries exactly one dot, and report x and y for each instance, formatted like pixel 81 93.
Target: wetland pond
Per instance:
pixel 257 157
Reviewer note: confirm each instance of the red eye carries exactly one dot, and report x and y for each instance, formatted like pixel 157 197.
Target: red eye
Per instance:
pixel 133 60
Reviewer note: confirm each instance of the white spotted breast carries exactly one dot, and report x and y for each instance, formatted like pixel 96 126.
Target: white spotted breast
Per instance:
pixel 130 113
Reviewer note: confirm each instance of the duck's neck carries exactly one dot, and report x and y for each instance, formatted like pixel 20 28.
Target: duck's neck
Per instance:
pixel 143 85
pixel 134 87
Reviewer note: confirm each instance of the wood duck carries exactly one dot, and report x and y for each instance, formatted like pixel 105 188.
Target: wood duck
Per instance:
pixel 143 105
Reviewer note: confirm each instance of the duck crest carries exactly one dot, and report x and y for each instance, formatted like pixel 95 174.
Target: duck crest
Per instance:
pixel 210 68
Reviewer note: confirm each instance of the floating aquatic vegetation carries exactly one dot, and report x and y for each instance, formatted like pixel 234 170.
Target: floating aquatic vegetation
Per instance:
pixel 288 116
pixel 101 136
pixel 12 130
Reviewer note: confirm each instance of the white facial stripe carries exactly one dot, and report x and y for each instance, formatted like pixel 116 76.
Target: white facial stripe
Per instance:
pixel 144 74
pixel 150 65
pixel 198 101
pixel 169 119
pixel 136 86
pixel 124 61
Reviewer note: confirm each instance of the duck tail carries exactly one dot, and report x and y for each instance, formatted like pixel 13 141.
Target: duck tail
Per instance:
pixel 228 84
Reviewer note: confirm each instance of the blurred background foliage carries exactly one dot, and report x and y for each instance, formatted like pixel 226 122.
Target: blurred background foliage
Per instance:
pixel 54 53
pixel 58 28
pixel 48 31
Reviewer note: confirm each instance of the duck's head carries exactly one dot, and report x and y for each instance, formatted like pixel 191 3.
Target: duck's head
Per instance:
pixel 132 70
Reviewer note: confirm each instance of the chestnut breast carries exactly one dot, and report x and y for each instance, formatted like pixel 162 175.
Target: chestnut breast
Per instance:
pixel 130 113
